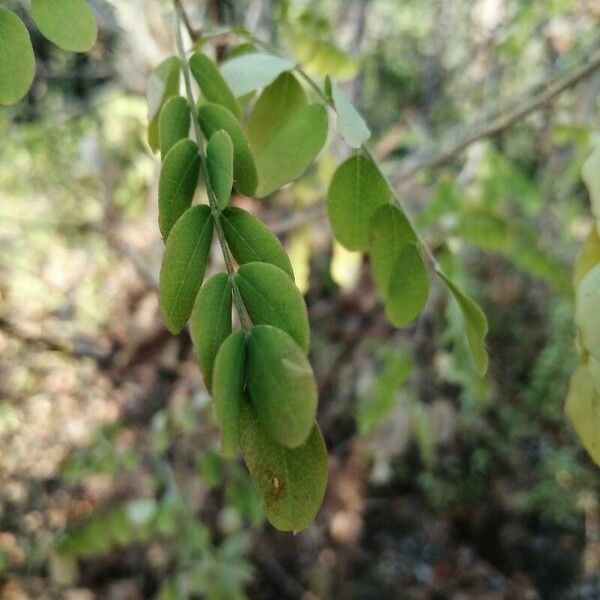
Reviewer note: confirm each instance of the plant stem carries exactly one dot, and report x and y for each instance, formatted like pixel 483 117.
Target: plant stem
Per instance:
pixel 212 199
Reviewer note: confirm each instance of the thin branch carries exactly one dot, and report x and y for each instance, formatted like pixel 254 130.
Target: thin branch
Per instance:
pixel 192 32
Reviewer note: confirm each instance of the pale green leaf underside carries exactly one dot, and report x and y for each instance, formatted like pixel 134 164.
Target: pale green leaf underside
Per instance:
pixel 590 173
pixel 17 62
pixel 250 241
pixel 587 257
pixel 291 483
pixel 253 71
pixel 587 313
pixel 281 385
pixel 228 388
pixel 219 160
pixel 271 298
pixel 184 262
pixel 357 189
pixel 351 125
pixel 210 322
pixel 475 325
pixel 174 123
pixel 70 24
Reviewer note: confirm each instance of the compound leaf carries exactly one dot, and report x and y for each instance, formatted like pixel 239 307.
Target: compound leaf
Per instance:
pixel 252 71
pixel 174 123
pixel 291 483
pixel 219 160
pixel 183 266
pixel 210 322
pixel 281 384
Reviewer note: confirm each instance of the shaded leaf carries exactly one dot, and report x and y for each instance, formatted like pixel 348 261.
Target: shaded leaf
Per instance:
pixel 250 241
pixel 350 124
pixel 252 71
pixel 291 483
pixel 183 266
pixel 17 65
pixel 214 88
pixel 228 388
pixel 162 85
pixel 174 123
pixel 70 24
pixel 213 118
pixel 271 298
pixel 177 184
pixel 281 384
pixel 210 322
pixel 219 160
pixel 357 189
pixel 587 315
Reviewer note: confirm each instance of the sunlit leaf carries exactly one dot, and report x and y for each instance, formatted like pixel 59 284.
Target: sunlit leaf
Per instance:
pixel 291 482
pixel 475 325
pixel 174 123
pixel 214 88
pixel 350 124
pixel 70 24
pixel 183 266
pixel 228 388
pixel 357 189
pixel 162 85
pixel 587 257
pixel 210 322
pixel 291 149
pixel 590 173
pixel 219 160
pixel 252 71
pixel 177 184
pixel 587 315
pixel 213 118
pixel 408 287
pixel 17 62
pixel 281 384
pixel 250 241
pixel 271 298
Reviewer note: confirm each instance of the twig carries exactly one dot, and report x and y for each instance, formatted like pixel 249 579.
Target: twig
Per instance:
pixel 192 32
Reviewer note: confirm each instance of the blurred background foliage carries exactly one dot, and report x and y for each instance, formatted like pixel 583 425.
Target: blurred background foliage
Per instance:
pixel 442 485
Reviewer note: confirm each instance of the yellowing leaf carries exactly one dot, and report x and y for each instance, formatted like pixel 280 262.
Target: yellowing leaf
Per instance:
pixel 174 123
pixel 219 160
pixel 587 257
pixel 291 482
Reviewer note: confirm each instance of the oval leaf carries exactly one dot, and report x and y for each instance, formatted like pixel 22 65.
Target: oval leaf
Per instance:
pixel 408 287
pixel 214 88
pixel 17 65
pixel 357 189
pixel 228 388
pixel 277 103
pixel 475 325
pixel 70 24
pixel 177 184
pixel 281 384
pixel 183 266
pixel 253 71
pixel 291 149
pixel 587 315
pixel 291 482
pixel 587 257
pixel 212 118
pixel 250 241
pixel 389 232
pixel 210 322
pixel 271 298
pixel 350 124
pixel 162 85
pixel 174 123
pixel 219 160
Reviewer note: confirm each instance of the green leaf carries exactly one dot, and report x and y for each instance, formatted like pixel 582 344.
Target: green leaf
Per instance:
pixel 210 322
pixel 291 149
pixel 475 325
pixel 177 184
pixel 219 160
pixel 162 85
pixel 70 24
pixel 271 298
pixel 291 483
pixel 357 189
pixel 590 173
pixel 183 266
pixel 213 118
pixel 587 257
pixel 408 287
pixel 281 384
pixel 214 88
pixel 17 65
pixel 350 124
pixel 228 388
pixel 389 232
pixel 253 71
pixel 583 409
pixel 274 107
pixel 250 241
pixel 587 315
pixel 174 123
